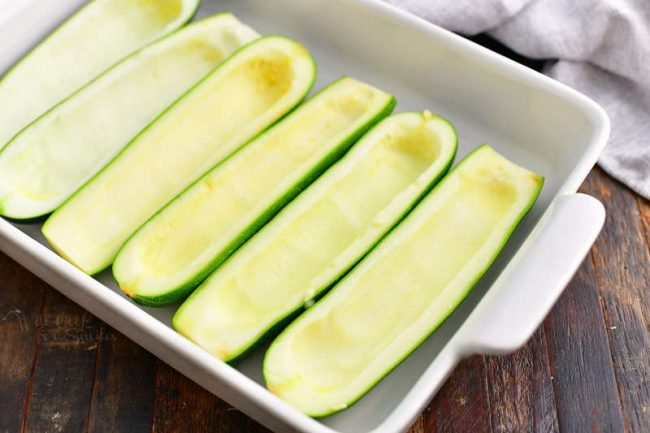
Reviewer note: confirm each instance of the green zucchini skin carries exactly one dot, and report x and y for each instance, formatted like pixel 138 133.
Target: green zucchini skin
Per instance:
pixel 179 293
pixel 408 200
pixel 273 331
pixel 34 220
pixel 224 65
pixel 434 325
pixel 150 55
pixel 43 45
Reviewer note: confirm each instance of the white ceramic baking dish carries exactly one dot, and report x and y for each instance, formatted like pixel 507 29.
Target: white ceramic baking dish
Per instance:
pixel 531 119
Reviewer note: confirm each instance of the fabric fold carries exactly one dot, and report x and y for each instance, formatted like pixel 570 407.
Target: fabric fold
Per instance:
pixel 602 48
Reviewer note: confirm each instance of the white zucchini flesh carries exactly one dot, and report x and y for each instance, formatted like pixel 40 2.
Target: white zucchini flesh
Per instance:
pixel 53 157
pixel 96 37
pixel 237 101
pixel 175 250
pixel 319 236
pixel 382 310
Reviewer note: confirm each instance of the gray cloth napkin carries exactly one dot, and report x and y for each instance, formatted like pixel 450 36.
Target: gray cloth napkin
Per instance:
pixel 603 47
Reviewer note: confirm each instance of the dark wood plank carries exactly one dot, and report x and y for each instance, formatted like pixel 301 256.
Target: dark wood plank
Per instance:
pixel 182 406
pixel 21 300
pixel 63 374
pixel 462 405
pixel 644 210
pixel 483 394
pixel 420 425
pixel 516 389
pixel 521 391
pixel 622 273
pixel 581 365
pixel 124 388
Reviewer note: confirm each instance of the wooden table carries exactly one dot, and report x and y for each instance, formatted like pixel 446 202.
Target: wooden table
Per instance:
pixel 587 369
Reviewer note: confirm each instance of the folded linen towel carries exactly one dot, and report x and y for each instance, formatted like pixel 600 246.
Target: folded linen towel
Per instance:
pixel 603 50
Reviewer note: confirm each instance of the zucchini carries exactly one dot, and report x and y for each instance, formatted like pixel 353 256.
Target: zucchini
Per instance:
pixel 382 310
pixel 237 101
pixel 319 236
pixel 171 254
pixel 100 34
pixel 54 156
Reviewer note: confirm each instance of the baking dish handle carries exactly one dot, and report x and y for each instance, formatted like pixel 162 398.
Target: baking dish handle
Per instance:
pixel 525 292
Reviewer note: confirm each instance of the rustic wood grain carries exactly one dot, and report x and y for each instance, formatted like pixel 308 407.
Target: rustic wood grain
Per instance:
pixel 420 426
pixel 21 300
pixel 124 392
pixel 520 389
pixel 622 271
pixel 644 210
pixel 580 362
pixel 462 404
pixel 586 370
pixel 62 380
pixel 183 406
pixel 87 377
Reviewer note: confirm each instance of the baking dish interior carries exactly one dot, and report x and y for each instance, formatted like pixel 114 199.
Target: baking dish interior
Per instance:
pixel 530 120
